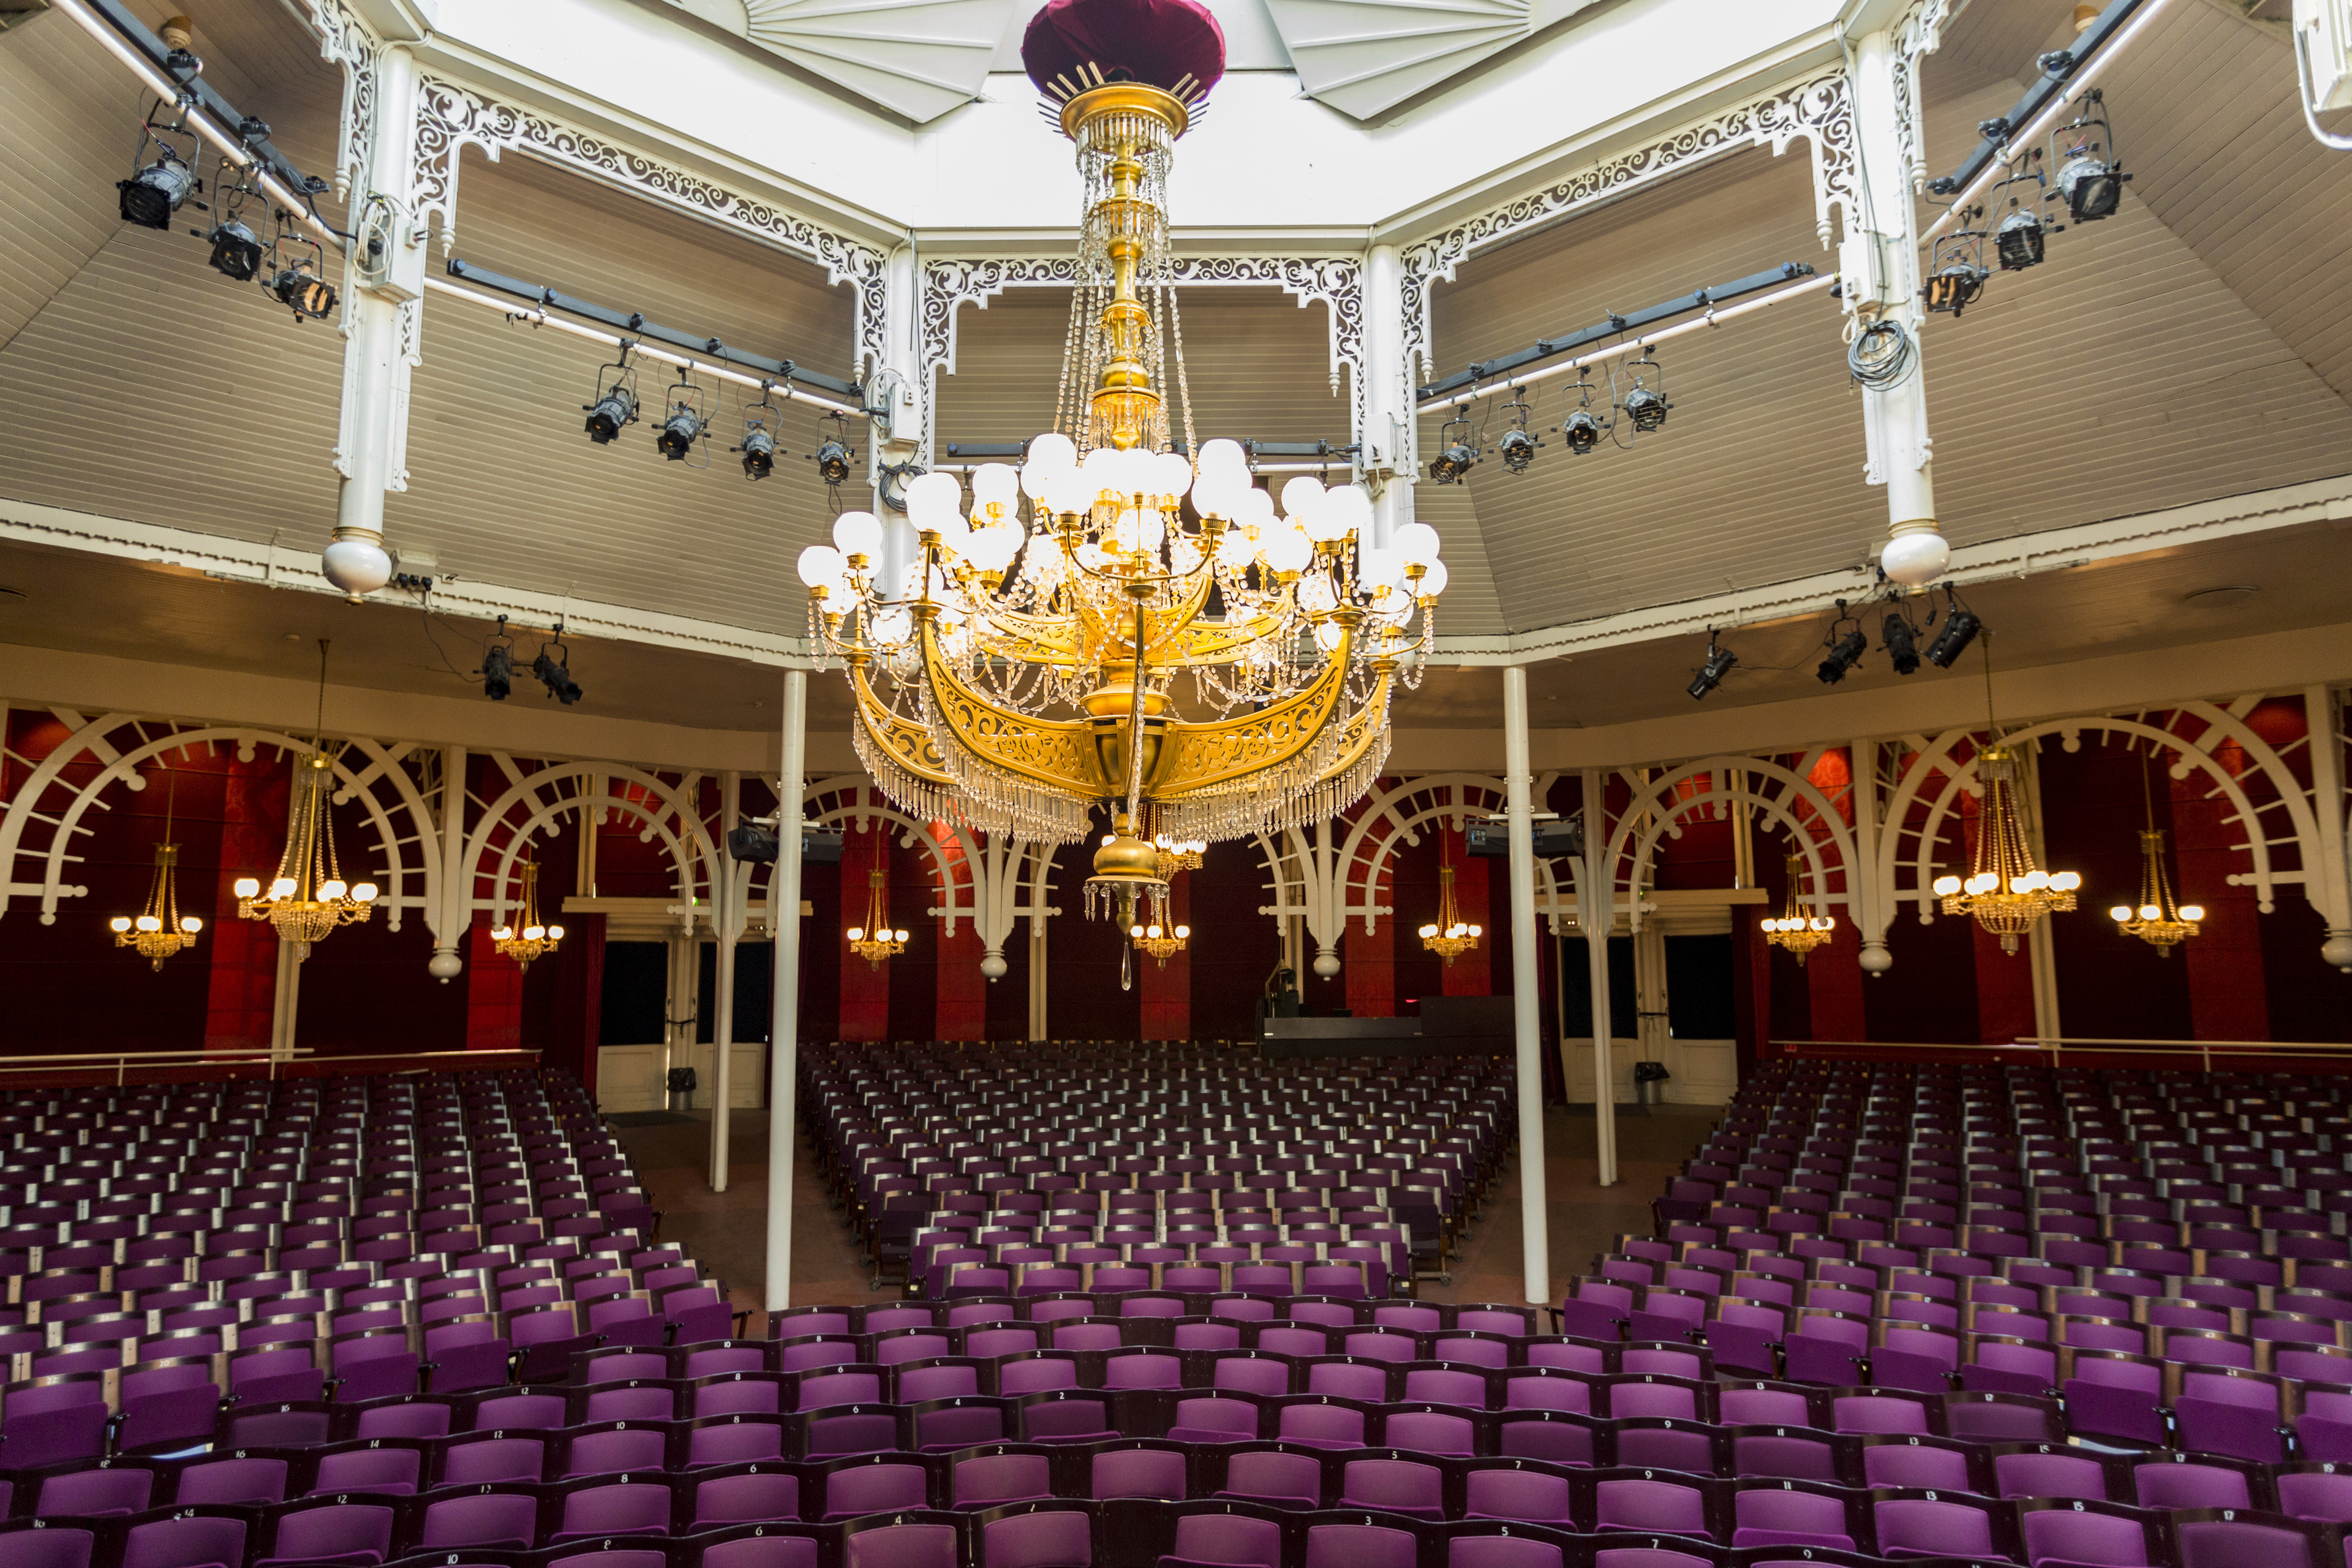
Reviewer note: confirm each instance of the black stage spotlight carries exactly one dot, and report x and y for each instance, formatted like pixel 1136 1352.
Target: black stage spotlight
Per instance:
pixel 299 286
pixel 1952 288
pixel 686 419
pixel 1455 454
pixel 236 251
pixel 2019 241
pixel 615 404
pixel 1517 446
pixel 1719 664
pixel 497 672
pixel 151 196
pixel 833 457
pixel 1899 641
pixel 1844 653
pixel 2090 176
pixel 759 450
pixel 1581 431
pixel 557 678
pixel 1961 627
pixel 1646 403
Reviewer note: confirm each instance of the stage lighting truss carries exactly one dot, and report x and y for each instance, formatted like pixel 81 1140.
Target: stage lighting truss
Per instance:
pixel 614 405
pixel 687 414
pixel 2090 176
pixel 1644 402
pixel 1457 449
pixel 758 448
pixel 164 172
pixel 1518 444
pixel 1582 429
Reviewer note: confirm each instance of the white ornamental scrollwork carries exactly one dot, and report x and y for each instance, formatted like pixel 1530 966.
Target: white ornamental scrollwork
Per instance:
pixel 346 41
pixel 1337 282
pixel 1819 110
pixel 450 117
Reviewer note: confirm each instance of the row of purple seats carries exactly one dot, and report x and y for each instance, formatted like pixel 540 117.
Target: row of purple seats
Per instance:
pixel 1509 1320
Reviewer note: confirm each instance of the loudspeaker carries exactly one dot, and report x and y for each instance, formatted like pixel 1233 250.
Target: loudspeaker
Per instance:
pixel 1553 840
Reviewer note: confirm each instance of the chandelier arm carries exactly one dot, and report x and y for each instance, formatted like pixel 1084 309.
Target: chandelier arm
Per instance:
pixel 1054 752
pixel 1204 756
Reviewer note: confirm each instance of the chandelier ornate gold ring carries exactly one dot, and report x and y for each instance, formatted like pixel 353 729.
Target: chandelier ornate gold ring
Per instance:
pixel 1124 622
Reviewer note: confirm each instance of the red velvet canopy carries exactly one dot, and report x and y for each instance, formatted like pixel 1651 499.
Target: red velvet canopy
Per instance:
pixel 1157 42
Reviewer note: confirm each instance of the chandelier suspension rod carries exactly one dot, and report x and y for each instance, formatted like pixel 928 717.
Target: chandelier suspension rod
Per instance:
pixel 1620 350
pixel 640 348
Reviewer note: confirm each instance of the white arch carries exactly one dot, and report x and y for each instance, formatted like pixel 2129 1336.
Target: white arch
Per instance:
pixel 1660 799
pixel 691 850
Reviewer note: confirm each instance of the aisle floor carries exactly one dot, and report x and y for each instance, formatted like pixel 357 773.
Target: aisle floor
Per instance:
pixel 727 1232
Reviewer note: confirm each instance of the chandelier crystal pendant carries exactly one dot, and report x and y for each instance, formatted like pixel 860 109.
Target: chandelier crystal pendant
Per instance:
pixel 875 941
pixel 1125 624
pixel 1449 936
pixel 1794 930
pixel 527 937
pixel 160 930
pixel 2156 919
pixel 2005 892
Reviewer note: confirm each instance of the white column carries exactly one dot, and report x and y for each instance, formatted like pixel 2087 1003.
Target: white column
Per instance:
pixel 1862 890
pixel 286 997
pixel 1880 262
pixel 2332 896
pixel 1386 437
pixel 1527 1023
pixel 456 912
pixel 898 435
pixel 1596 911
pixel 379 306
pixel 2040 942
pixel 784 1023
pixel 726 925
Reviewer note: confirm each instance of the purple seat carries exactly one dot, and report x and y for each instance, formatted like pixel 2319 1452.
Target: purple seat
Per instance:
pixel 254 1478
pixel 1870 1413
pixel 864 1488
pixel 1137 1472
pixel 2238 1416
pixel 2083 1537
pixel 2050 1474
pixel 621 1448
pixel 1059 1537
pixel 50 1421
pixel 1759 1406
pixel 1348 1380
pixel 167 1405
pixel 1321 1425
pixel 492 1460
pixel 1359 1546
pixel 1649 1505
pixel 1214 1420
pixel 1271 1476
pixel 355 1533
pixel 2185 1484
pixel 2247 1541
pixel 2318 1492
pixel 197 1540
pixel 1233 1540
pixel 746 1499
pixel 394 1470
pixel 1772 1516
pixel 1531 1496
pixel 899 1546
pixel 993 1480
pixel 1921 1527
pixel 1430 1432
pixel 1903 1459
pixel 91 1494
pixel 1250 1373
pixel 622 1509
pixel 1394 1486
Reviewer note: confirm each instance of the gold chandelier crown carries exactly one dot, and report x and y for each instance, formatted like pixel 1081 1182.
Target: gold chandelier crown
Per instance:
pixel 1045 649
pixel 527 937
pixel 160 930
pixel 2005 892
pixel 1794 930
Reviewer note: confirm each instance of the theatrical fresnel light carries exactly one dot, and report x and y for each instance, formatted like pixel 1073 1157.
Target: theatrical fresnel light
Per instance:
pixel 527 936
pixel 1017 663
pixel 1719 661
pixel 159 930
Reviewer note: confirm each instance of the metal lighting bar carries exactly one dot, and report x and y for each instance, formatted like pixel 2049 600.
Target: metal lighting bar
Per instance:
pixel 641 349
pixel 210 115
pixel 635 323
pixel 1615 328
pixel 2031 117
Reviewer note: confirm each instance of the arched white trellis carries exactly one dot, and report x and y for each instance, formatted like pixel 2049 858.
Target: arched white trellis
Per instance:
pixel 406 865
pixel 534 801
pixel 1393 817
pixel 1659 807
pixel 858 804
pixel 1940 759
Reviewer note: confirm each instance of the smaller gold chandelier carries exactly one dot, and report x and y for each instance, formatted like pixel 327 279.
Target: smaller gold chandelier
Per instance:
pixel 308 896
pixel 159 931
pixel 1178 854
pixel 529 937
pixel 1794 930
pixel 2006 892
pixel 1449 936
pixel 2156 919
pixel 875 941
pixel 1158 941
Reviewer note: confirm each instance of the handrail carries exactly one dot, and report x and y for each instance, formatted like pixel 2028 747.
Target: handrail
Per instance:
pixel 2054 1045
pixel 232 1056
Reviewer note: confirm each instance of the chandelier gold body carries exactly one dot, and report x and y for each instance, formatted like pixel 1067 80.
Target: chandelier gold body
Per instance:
pixel 2156 920
pixel 1793 929
pixel 1021 668
pixel 875 941
pixel 2005 892
pixel 527 936
pixel 1449 936
pixel 307 897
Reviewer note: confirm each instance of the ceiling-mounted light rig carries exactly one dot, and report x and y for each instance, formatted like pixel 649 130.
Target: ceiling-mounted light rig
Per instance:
pixel 615 403
pixel 1644 402
pixel 297 266
pixel 164 172
pixel 1899 641
pixel 497 665
pixel 833 454
pixel 1583 430
pixel 555 677
pixel 1719 663
pixel 1960 628
pixel 1956 266
pixel 1455 453
pixel 2021 238
pixel 758 448
pixel 2090 176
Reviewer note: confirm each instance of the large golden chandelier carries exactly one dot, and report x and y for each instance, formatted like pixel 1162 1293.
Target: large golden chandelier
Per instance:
pixel 1796 931
pixel 1449 936
pixel 159 930
pixel 527 937
pixel 2005 892
pixel 308 896
pixel 1018 666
